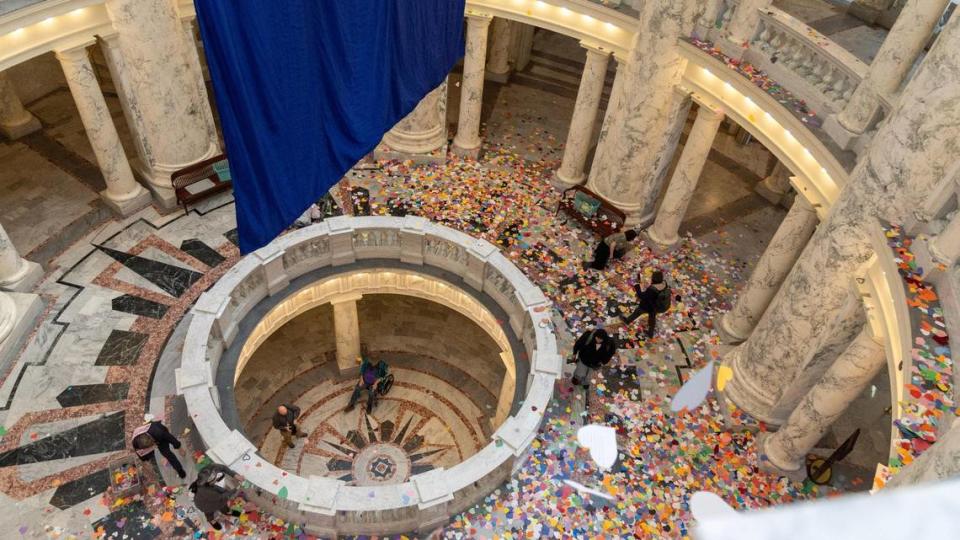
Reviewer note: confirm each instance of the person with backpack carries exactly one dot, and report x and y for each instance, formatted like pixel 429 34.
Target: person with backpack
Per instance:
pixel 210 497
pixel 154 435
pixel 592 350
pixel 615 245
pixel 651 300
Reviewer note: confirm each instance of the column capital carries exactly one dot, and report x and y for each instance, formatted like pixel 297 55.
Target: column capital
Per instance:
pixel 76 52
pixel 800 202
pixel 714 114
pixel 109 38
pixel 476 19
pixel 596 49
pixel 345 298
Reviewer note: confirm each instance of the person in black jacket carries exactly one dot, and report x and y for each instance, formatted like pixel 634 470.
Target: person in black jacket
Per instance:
pixel 651 300
pixel 614 246
pixel 592 350
pixel 284 421
pixel 209 497
pixel 157 436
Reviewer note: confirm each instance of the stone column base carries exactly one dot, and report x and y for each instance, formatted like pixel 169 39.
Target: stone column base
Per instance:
pixel 129 206
pixel 771 195
pixel 561 183
pixel 28 308
pixel 657 244
pixel 797 475
pixel 844 138
pixel 384 153
pixel 493 76
pixel 866 14
pixel 471 153
pixel 25 282
pixel 726 335
pixel 13 132
pixel 158 181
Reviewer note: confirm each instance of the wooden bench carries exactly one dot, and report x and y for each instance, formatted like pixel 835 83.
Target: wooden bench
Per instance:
pixel 216 170
pixel 605 219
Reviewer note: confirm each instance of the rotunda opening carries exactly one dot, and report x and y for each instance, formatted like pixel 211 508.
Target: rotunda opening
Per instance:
pixel 448 377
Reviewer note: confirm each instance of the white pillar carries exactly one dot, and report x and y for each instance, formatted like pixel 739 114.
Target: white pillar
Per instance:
pixel 193 59
pixel 900 49
pixel 164 96
pixel 346 327
pixel 16 273
pixel 685 176
pixel 787 448
pixel 422 135
pixel 123 194
pixel 945 247
pixel 776 262
pixel 523 44
pixel 742 26
pixel 467 141
pixel 645 115
pixel 498 62
pixel 903 164
pixel 505 400
pixel 584 117
pixel 15 120
pixel 775 185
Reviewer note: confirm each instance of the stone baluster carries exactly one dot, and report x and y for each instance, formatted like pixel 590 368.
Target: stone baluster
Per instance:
pixel 646 114
pixel 900 49
pixel 346 327
pixel 892 178
pixel 945 247
pixel 123 194
pixel 584 118
pixel 786 450
pixel 685 177
pixel 16 273
pixel 742 27
pixel 708 20
pixel 15 120
pixel 772 268
pixel 498 62
pixel 467 141
pixel 422 135
pixel 164 96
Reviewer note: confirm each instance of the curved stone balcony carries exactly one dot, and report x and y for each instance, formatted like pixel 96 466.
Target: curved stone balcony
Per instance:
pixel 373 255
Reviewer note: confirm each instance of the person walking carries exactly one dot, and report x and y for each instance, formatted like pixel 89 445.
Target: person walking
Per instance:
pixel 615 245
pixel 592 350
pixel 653 299
pixel 153 435
pixel 284 420
pixel 210 497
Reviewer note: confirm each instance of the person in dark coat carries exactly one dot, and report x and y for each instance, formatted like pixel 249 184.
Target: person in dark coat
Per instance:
pixel 592 350
pixel 615 245
pixel 210 497
pixel 284 420
pixel 155 435
pixel 651 300
pixel 370 374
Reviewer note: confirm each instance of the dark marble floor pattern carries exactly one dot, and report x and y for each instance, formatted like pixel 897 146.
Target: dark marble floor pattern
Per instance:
pixel 202 252
pixel 135 305
pixel 122 347
pixel 71 493
pixel 174 280
pixel 88 394
pixel 104 434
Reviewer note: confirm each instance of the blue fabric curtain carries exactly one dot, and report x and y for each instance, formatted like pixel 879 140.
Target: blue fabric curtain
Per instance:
pixel 306 88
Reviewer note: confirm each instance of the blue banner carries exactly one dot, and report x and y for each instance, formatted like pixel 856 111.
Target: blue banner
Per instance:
pixel 306 88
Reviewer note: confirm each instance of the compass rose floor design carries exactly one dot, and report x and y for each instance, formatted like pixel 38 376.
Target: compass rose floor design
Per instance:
pixel 425 421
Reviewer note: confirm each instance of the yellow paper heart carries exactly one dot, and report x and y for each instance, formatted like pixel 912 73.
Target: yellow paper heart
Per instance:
pixel 724 374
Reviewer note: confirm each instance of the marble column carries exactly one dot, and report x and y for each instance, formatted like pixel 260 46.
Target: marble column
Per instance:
pixel 708 19
pixel 776 262
pixel 786 449
pixel 193 59
pixel 498 60
pixel 849 324
pixel 123 194
pixel 15 120
pixel 907 158
pixel 523 44
pixel 346 327
pixel 643 119
pixel 422 135
pixel 584 118
pixel 738 32
pixel 665 228
pixel 467 140
pixel 945 247
pixel 164 94
pixel 900 49
pixel 939 462
pixel 775 185
pixel 16 273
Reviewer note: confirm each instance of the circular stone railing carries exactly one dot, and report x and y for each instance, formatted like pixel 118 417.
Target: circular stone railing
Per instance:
pixel 327 506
